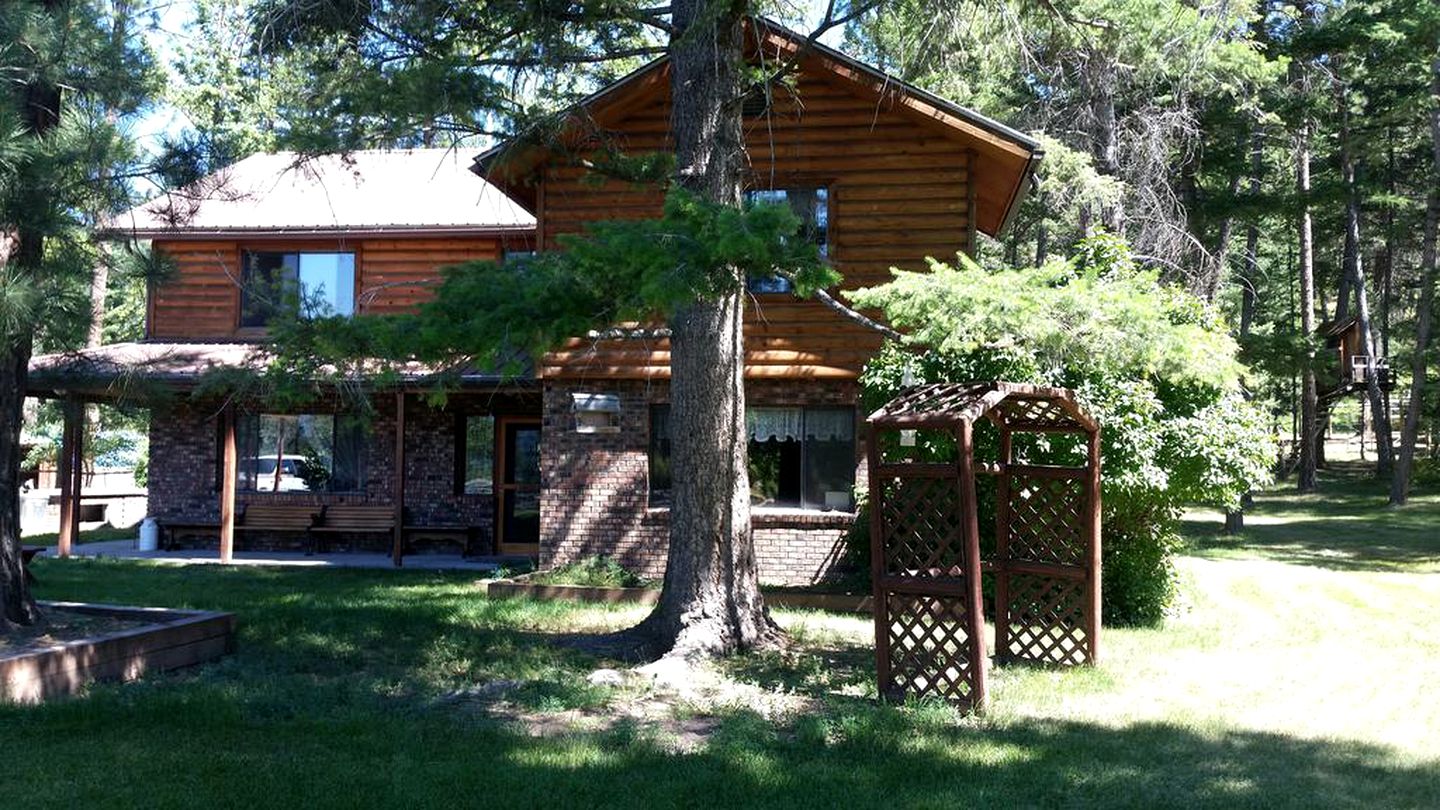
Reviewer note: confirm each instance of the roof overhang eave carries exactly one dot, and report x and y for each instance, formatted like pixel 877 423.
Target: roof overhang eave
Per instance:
pixel 1022 190
pixel 312 233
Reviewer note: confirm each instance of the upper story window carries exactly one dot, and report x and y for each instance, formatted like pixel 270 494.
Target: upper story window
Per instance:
pixel 308 284
pixel 516 256
pixel 812 206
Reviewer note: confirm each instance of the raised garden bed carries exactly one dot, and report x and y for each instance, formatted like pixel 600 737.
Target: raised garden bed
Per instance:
pixel 86 643
pixel 788 599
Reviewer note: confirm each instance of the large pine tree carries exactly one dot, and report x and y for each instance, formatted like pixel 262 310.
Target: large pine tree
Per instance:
pixel 711 603
pixel 61 159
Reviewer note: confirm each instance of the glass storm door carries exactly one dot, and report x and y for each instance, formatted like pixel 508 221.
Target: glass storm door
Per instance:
pixel 517 507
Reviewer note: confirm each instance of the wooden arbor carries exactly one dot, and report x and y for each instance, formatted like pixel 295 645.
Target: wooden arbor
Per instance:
pixel 926 560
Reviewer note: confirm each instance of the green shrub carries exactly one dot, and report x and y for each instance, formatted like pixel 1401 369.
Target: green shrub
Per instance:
pixel 594 572
pixel 1150 361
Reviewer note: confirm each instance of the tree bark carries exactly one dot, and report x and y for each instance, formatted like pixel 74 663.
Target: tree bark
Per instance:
pixel 1410 432
pixel 711 602
pixel 1216 278
pixel 1099 79
pixel 1355 274
pixel 1308 395
pixel 39 102
pixel 1252 235
pixel 1249 275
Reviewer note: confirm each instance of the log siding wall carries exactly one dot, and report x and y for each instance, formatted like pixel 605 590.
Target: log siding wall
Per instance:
pixel 393 274
pixel 899 192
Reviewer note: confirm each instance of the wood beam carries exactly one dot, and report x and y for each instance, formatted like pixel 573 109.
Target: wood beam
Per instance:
pixel 975 600
pixel 1002 548
pixel 70 438
pixel 1092 550
pixel 398 551
pixel 877 561
pixel 229 469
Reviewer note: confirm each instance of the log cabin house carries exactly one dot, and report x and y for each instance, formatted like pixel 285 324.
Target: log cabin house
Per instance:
pixel 571 460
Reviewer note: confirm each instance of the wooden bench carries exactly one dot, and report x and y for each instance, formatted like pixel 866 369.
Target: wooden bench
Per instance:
pixel 341 518
pixel 278 517
pixel 464 535
pixel 171 530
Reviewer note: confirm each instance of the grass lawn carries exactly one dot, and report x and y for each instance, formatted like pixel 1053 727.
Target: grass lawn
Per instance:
pixel 88 534
pixel 1300 673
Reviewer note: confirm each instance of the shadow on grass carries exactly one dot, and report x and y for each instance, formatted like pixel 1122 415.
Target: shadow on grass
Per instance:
pixel 207 746
pixel 318 708
pixel 1346 525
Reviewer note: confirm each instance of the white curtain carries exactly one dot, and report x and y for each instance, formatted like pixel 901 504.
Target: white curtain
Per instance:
pixel 787 424
pixel 781 424
pixel 830 425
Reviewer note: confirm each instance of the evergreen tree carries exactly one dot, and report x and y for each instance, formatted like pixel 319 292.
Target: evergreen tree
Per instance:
pixel 61 159
pixel 414 65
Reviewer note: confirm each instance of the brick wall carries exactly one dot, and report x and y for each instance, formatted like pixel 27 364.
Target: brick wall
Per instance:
pixel 595 498
pixel 184 461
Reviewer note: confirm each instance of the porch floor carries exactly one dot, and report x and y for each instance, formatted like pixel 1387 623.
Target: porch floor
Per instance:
pixel 125 549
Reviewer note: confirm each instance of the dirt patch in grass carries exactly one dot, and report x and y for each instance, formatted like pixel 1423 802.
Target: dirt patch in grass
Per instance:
pixel 679 705
pixel 59 627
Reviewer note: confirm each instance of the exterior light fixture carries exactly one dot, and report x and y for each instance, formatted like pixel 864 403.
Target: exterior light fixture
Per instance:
pixel 596 413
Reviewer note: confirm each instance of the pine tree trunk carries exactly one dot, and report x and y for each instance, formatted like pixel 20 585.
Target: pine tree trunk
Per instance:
pixel 711 602
pixel 1309 421
pixel 40 111
pixel 1355 275
pixel 1410 432
pixel 1249 276
pixel 1099 80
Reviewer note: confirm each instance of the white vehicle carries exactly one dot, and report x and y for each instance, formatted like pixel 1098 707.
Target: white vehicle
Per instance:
pixel 289 479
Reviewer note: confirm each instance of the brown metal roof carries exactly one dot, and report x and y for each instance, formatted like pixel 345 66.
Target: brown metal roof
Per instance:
pixel 372 191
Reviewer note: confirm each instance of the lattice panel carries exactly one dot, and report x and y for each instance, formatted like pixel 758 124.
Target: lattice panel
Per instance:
pixel 1047 520
pixel 931 651
pixel 921 527
pixel 1045 620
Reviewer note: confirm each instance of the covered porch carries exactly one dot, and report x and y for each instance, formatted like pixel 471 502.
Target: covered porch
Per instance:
pixel 128 550
pixel 249 477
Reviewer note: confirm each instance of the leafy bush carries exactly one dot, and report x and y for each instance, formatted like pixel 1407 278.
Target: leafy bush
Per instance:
pixel 594 572
pixel 1150 361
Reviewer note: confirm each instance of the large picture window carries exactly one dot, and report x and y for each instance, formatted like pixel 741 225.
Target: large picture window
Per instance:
pixel 299 452
pixel 799 457
pixel 812 207
pixel 307 284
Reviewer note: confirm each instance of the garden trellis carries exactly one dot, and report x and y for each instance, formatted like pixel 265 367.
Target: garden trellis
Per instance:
pixel 926 554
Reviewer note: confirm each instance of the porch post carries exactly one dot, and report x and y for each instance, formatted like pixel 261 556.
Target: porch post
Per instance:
pixel 398 551
pixel 229 467
pixel 70 468
pixel 1092 548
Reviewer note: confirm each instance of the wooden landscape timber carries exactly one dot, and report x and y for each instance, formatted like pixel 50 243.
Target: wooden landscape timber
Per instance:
pixel 170 639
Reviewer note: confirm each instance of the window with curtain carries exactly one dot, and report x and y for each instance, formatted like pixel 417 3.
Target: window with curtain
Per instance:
pixel 812 207
pixel 308 284
pixel 299 452
pixel 799 457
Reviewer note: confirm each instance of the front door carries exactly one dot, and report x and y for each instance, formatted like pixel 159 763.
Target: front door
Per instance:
pixel 517 507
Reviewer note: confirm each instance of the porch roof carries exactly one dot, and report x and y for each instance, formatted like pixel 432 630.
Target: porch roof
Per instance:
pixel 138 371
